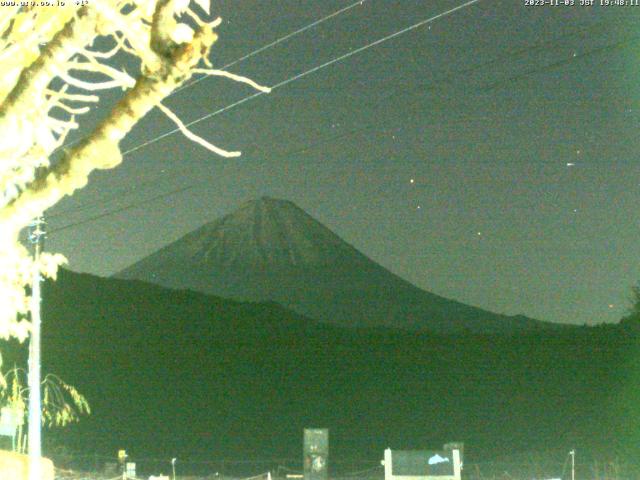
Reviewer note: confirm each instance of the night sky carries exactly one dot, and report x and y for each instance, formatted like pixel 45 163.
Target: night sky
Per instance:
pixel 489 156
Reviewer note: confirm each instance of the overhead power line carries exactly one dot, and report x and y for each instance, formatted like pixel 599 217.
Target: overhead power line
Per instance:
pixel 445 80
pixel 554 65
pixel 332 138
pixel 122 209
pixel 441 82
pixel 253 53
pixel 284 82
pixel 274 43
pixel 306 73
pixel 278 85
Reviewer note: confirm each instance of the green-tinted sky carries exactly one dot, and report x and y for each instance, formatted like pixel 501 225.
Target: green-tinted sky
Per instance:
pixel 489 157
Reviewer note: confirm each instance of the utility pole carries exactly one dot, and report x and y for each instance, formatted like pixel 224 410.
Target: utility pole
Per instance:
pixel 36 236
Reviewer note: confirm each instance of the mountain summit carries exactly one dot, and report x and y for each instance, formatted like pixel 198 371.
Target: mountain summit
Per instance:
pixel 263 234
pixel 271 250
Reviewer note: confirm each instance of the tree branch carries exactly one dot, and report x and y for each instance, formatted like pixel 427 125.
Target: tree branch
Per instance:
pixel 34 79
pixel 193 137
pixel 100 150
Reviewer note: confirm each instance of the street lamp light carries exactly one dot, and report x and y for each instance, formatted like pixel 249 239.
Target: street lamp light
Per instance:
pixel 573 464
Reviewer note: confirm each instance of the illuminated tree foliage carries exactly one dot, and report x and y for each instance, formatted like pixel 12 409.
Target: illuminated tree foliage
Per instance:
pixel 49 64
pixel 62 404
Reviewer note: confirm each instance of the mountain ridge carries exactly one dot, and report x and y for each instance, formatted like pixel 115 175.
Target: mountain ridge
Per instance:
pixel 173 373
pixel 270 249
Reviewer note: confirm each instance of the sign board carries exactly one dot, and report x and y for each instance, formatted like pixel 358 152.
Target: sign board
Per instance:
pixel 130 469
pixel 420 463
pixel 316 453
pixel 443 464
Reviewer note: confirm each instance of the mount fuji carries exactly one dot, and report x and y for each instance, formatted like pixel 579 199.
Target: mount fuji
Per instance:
pixel 272 250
